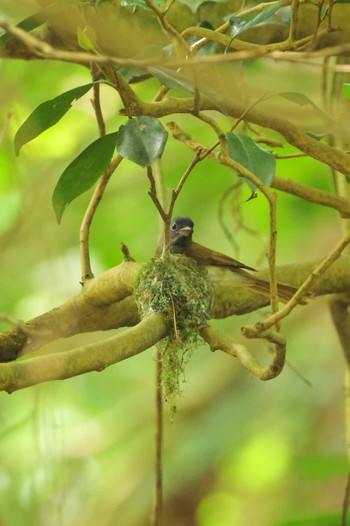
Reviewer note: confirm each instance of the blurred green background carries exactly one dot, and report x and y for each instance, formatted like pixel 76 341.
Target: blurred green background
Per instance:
pixel 239 451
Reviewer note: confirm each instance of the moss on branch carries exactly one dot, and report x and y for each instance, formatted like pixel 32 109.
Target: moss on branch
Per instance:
pixel 94 357
pixel 102 305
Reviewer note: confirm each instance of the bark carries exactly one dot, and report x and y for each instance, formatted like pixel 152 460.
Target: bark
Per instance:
pixel 106 302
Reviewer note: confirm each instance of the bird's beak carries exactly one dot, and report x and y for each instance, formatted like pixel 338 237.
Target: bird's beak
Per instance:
pixel 186 231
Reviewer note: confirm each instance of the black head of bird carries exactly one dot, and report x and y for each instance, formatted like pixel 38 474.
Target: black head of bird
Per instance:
pixel 181 231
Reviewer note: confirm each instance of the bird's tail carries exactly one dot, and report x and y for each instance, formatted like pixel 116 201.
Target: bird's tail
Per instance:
pixel 262 286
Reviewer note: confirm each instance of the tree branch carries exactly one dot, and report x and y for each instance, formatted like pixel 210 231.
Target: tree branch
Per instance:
pixel 106 302
pixel 94 357
pixel 218 342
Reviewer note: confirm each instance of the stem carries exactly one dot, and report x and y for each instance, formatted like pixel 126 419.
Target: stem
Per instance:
pixel 158 505
pixel 86 272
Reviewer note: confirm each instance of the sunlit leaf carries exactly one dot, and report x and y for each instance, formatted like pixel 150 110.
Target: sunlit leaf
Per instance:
pixel 246 152
pixel 47 114
pixel 142 140
pixel 139 3
pixel 194 5
pixel 347 88
pixel 83 172
pixel 269 15
pixel 87 38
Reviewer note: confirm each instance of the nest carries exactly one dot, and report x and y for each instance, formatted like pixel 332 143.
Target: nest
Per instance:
pixel 180 289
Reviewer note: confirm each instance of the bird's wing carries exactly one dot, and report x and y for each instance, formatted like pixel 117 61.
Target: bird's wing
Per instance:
pixel 207 256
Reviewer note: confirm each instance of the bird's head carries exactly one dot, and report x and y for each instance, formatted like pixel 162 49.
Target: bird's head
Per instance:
pixel 181 230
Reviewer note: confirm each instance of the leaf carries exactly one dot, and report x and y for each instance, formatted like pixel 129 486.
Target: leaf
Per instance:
pixel 32 22
pixel 142 140
pixel 139 3
pixel 175 80
pixel 87 38
pixel 327 519
pixel 47 114
pixel 269 15
pixel 347 88
pixel 194 5
pixel 83 172
pixel 246 152
pixel 303 100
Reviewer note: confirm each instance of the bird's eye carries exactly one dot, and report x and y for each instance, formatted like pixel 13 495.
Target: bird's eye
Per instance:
pixel 174 226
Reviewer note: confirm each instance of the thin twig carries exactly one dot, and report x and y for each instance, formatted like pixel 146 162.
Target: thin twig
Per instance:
pixel 294 22
pixel 86 272
pixel 96 104
pixel 153 194
pixel 158 504
pixel 346 502
pixel 272 254
pixel 290 155
pixel 308 284
pixel 246 51
pixel 5 127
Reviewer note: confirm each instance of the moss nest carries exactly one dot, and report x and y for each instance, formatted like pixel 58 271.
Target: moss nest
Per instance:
pixel 180 289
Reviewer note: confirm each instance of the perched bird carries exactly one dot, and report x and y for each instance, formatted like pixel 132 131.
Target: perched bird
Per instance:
pixel 181 231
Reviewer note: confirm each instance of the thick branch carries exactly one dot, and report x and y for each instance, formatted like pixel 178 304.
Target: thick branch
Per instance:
pixel 106 302
pixel 95 357
pixel 330 156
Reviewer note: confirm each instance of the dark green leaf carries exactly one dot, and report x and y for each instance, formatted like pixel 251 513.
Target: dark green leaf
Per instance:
pixel 131 74
pixel 83 172
pixel 269 15
pixel 142 140
pixel 27 24
pixel 194 5
pixel 246 152
pixel 47 114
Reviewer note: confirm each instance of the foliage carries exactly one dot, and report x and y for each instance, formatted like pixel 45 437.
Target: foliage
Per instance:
pixel 252 104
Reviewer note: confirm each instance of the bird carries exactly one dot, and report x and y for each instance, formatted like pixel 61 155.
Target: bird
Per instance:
pixel 180 236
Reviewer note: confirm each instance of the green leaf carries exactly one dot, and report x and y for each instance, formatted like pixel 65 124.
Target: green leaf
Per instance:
pixel 246 152
pixel 83 172
pixel 140 3
pixel 269 15
pixel 347 88
pixel 194 5
pixel 28 24
pixel 303 100
pixel 47 114
pixel 87 38
pixel 142 140
pixel 174 80
pixel 327 519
